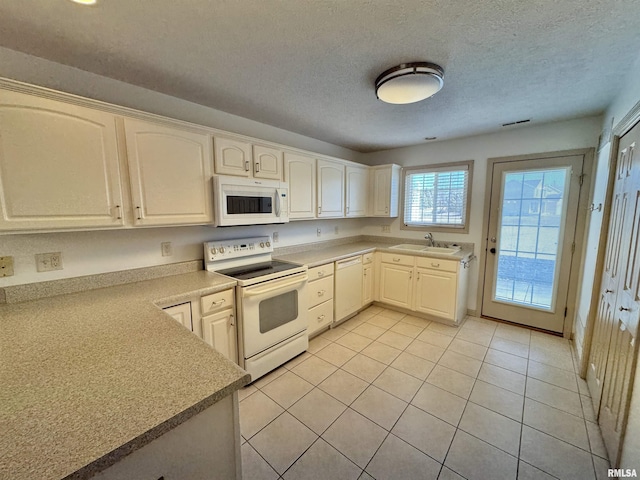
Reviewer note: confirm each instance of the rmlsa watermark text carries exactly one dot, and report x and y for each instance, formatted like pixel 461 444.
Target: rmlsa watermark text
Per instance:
pixel 622 473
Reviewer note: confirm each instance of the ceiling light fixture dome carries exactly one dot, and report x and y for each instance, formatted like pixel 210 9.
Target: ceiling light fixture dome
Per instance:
pixel 409 82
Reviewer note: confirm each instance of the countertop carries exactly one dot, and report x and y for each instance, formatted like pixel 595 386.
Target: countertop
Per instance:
pixel 319 256
pixel 88 377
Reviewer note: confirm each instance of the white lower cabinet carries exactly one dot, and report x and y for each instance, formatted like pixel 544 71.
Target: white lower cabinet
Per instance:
pixel 320 288
pixel 431 286
pixel 205 447
pixel 218 323
pixel 182 314
pixel 368 279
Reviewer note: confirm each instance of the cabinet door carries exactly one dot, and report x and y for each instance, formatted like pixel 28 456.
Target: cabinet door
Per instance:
pixel 170 171
pixel 267 162
pixel 232 157
pixel 300 174
pixel 380 192
pixel 436 293
pixel 367 284
pixel 396 284
pixel 182 314
pixel 330 189
pixel 59 165
pixel 357 191
pixel 219 331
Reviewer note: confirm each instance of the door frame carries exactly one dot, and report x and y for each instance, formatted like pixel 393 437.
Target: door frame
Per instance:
pixel 583 198
pixel 612 136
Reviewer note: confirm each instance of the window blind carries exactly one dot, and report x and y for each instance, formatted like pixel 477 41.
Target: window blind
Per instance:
pixel 436 196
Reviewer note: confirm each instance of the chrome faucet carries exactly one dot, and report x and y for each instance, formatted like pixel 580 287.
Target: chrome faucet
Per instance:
pixel 429 238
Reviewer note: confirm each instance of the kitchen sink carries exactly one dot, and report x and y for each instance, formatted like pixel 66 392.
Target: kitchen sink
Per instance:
pixel 422 248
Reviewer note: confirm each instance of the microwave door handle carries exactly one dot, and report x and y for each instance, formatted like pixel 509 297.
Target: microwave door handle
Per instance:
pixel 278 207
pixel 300 278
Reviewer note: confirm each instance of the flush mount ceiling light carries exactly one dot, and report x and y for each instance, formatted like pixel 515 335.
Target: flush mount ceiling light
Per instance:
pixel 409 82
pixel 85 2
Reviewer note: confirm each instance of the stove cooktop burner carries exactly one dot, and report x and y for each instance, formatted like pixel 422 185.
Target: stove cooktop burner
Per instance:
pixel 256 270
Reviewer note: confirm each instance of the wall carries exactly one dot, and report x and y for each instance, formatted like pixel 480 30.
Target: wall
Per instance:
pixel 572 134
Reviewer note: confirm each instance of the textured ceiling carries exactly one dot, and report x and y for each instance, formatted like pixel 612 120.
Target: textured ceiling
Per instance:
pixel 309 66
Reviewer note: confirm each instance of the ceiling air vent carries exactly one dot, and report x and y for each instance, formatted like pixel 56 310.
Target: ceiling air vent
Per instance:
pixel 516 123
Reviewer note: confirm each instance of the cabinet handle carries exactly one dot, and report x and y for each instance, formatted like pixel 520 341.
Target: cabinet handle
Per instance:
pixel 418 276
pixel 232 321
pixel 396 259
pixel 319 209
pixel 321 273
pixel 321 293
pixel 215 304
pixel 347 209
pixel 321 317
pixel 257 167
pixel 386 209
pixel 435 264
pixel 139 213
pixel 246 165
pixel 119 212
pixel 622 309
pixel 410 275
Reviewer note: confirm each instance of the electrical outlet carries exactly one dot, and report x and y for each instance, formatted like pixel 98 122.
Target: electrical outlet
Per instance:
pixel 46 262
pixel 386 228
pixel 6 266
pixel 167 249
pixel 319 232
pixel 275 237
pixel 336 230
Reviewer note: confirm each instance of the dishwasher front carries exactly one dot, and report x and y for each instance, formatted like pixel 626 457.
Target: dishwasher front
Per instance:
pixel 348 287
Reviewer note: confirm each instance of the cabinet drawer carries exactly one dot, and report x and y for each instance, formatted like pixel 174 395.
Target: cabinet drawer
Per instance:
pixel 217 301
pixel 396 259
pixel 320 291
pixel 321 271
pixel 367 258
pixel 437 264
pixel 320 316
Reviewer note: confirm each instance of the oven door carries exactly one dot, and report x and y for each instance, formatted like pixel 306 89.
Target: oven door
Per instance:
pixel 272 311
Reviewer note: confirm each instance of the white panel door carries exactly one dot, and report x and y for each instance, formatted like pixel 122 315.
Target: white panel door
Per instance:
pixel 396 285
pixel 436 293
pixel 357 191
pixel 170 171
pixel 182 314
pixel 300 174
pixel 330 189
pixel 267 162
pixel 232 157
pixel 380 191
pixel 59 165
pixel 367 284
pixel 219 331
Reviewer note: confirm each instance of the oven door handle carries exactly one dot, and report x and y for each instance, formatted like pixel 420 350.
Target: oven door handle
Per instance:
pixel 296 279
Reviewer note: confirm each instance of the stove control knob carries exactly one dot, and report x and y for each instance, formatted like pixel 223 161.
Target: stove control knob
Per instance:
pixel 261 244
pixel 268 244
pixel 221 249
pixel 213 251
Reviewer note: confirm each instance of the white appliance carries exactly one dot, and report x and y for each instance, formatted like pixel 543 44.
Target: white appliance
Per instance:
pixel 245 201
pixel 348 291
pixel 271 301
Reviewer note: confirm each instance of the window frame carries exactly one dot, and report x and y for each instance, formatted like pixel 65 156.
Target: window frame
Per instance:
pixel 435 227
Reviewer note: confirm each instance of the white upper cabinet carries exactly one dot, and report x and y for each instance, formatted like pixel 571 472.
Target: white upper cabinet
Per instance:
pixel 234 156
pixel 357 194
pixel 267 162
pixel 331 188
pixel 385 190
pixel 300 174
pixel 170 172
pixel 59 165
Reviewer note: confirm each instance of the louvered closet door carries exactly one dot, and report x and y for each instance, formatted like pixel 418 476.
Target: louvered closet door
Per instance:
pixel 623 349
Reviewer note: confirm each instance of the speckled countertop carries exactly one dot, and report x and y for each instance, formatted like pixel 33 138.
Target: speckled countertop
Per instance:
pixel 319 256
pixel 88 377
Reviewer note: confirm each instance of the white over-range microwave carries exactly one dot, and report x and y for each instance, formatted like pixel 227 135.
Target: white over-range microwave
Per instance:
pixel 244 201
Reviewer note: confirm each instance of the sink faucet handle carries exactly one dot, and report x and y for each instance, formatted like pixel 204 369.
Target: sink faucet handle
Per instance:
pixel 429 238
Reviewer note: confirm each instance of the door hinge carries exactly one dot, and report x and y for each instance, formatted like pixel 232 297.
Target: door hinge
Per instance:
pixel 573 247
pixel 565 312
pixel 581 178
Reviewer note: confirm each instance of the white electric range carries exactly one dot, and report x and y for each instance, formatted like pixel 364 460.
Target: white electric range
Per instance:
pixel 271 301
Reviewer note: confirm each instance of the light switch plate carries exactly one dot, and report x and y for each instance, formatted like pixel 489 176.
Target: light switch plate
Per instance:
pixel 6 266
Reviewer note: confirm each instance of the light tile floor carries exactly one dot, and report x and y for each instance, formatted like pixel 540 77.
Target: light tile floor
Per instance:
pixel 391 396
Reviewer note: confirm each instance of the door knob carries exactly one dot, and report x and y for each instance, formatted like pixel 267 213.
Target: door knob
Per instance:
pixel 622 309
pixel 492 250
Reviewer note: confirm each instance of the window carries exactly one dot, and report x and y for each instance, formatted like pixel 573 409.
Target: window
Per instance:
pixel 437 196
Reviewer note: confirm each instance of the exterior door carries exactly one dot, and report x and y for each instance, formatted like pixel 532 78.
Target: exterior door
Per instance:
pixel 620 299
pixel 532 219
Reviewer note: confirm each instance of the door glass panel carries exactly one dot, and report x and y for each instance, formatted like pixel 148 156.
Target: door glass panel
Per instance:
pixel 530 235
pixel 278 310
